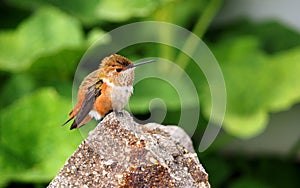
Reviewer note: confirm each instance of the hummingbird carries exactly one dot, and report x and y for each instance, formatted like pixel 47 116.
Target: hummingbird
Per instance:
pixel 104 90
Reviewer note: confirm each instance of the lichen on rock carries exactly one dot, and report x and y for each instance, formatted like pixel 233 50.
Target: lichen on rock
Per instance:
pixel 122 153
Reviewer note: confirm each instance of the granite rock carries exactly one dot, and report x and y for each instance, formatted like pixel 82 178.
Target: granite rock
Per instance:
pixel 122 153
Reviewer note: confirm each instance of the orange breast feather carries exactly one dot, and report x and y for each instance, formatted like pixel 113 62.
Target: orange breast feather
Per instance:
pixel 103 102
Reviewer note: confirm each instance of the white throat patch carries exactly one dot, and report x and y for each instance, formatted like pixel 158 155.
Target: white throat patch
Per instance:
pixel 122 88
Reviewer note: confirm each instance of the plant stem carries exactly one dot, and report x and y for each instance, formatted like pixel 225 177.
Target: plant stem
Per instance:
pixel 200 28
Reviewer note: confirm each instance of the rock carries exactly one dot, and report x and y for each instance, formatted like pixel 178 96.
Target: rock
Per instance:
pixel 122 153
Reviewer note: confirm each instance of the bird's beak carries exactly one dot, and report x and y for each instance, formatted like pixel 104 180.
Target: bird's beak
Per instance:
pixel 140 63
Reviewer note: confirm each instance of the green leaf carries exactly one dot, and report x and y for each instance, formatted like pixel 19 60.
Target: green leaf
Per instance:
pixel 17 86
pixel 123 10
pixel 286 67
pixel 273 35
pixel 256 84
pixel 33 144
pixel 46 32
pixel 56 67
pixel 84 10
pixel 54 70
pixel 94 11
pixel 94 35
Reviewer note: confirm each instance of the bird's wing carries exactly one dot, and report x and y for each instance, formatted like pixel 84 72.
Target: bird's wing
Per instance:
pixel 89 80
pixel 91 86
pixel 89 100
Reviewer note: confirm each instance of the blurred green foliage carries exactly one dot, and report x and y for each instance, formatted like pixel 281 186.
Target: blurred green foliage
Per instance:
pixel 42 41
pixel 31 142
pixel 257 83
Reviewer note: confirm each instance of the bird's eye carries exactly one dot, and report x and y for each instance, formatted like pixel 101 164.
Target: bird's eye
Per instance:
pixel 119 70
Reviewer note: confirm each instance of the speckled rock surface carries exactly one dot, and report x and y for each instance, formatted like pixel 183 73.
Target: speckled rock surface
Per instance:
pixel 121 153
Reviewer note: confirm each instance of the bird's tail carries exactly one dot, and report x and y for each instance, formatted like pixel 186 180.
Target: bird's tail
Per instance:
pixel 71 116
